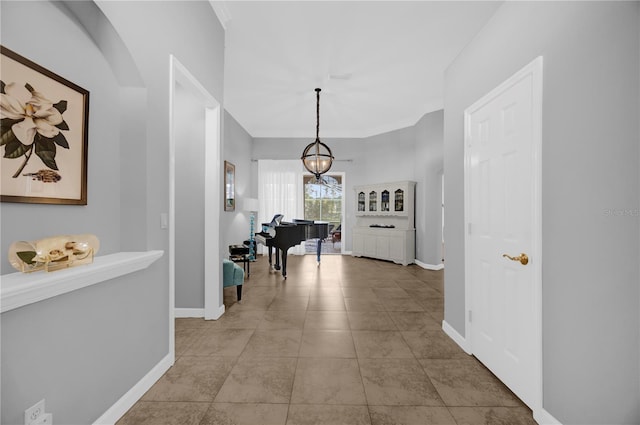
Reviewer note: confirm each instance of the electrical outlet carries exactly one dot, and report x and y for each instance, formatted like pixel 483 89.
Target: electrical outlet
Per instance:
pixel 46 419
pixel 34 412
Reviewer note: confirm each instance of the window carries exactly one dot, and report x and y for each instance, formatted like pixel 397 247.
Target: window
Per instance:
pixel 323 200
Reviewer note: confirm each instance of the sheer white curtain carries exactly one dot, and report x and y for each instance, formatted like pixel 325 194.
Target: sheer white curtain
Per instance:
pixel 280 191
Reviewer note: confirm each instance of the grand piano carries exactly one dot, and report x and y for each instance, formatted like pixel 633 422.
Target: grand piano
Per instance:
pixel 282 236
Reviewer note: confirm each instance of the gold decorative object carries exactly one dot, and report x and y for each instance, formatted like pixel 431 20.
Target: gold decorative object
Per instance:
pixel 54 253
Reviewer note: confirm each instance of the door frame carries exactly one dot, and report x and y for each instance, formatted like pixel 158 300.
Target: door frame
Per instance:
pixel 534 70
pixel 213 304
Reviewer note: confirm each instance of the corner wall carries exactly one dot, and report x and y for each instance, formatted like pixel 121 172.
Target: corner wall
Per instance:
pixel 590 193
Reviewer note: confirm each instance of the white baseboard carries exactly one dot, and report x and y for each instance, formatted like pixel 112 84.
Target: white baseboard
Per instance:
pixel 429 266
pixel 347 253
pixel 115 412
pixel 541 416
pixel 455 336
pixel 545 418
pixel 214 314
pixel 189 312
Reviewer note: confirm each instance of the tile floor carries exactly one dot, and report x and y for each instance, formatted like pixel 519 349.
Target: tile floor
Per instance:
pixel 354 342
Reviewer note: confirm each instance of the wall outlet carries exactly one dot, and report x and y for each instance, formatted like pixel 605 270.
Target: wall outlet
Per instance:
pixel 34 412
pixel 46 419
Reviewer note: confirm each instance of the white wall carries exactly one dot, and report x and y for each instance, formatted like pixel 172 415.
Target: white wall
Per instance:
pixel 590 177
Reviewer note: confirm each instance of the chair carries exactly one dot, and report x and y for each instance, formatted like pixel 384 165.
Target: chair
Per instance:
pixel 232 275
pixel 336 234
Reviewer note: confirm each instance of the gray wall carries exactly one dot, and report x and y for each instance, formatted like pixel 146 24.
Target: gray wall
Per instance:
pixel 101 215
pixel 85 342
pixel 429 167
pixel 189 133
pixel 83 350
pixel 412 153
pixel 237 148
pixel 590 167
pixel 191 32
pixel 103 339
pixel 190 196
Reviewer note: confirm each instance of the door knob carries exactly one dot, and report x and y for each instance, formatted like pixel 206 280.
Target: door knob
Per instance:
pixel 523 258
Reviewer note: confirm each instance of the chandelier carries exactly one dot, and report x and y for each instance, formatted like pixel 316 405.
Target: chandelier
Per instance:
pixel 317 157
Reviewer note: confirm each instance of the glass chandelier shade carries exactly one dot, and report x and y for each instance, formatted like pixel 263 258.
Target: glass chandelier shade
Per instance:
pixel 317 157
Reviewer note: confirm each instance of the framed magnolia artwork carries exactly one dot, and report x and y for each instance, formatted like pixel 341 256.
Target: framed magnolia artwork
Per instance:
pixel 43 134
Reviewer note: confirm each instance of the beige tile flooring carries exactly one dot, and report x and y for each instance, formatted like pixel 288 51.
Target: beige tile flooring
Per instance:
pixel 354 342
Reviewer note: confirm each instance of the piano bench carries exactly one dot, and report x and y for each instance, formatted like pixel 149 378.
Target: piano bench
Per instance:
pixel 232 275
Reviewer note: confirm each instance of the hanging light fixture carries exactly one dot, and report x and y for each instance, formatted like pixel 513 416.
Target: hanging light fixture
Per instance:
pixel 317 157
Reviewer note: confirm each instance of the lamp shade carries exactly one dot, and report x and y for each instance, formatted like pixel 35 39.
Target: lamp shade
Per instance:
pixel 250 204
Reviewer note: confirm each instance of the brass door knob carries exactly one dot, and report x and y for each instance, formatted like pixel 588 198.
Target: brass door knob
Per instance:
pixel 523 258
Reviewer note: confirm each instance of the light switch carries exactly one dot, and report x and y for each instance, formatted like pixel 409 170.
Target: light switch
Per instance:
pixel 164 220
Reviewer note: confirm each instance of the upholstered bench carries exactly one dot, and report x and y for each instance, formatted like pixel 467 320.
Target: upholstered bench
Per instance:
pixel 232 275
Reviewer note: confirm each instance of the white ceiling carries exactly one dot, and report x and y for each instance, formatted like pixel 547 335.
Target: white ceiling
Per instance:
pixel 380 64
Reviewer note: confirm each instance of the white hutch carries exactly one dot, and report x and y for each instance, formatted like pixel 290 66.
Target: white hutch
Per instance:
pixel 385 222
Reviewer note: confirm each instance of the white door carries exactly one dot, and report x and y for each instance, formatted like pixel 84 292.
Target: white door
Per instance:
pixel 502 172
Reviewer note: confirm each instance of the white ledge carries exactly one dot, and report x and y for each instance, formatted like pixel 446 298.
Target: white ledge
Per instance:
pixel 20 289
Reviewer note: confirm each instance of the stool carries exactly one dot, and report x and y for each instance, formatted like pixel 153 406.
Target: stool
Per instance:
pixel 244 259
pixel 240 254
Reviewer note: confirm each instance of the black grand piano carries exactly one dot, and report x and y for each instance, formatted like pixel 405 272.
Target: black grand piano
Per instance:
pixel 282 236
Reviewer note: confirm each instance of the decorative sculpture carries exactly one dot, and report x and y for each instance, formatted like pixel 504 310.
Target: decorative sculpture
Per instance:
pixel 53 253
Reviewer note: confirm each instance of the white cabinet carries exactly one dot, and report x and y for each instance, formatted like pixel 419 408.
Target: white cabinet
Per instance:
pixel 382 246
pixel 385 222
pixel 369 244
pixel 397 247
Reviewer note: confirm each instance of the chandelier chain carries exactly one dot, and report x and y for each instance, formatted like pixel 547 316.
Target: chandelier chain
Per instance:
pixel 317 114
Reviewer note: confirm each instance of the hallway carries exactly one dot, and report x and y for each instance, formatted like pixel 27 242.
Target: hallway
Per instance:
pixel 353 342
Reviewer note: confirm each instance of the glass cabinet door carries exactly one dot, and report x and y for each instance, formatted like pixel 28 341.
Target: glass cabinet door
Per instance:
pixel 361 201
pixel 373 201
pixel 384 203
pixel 399 200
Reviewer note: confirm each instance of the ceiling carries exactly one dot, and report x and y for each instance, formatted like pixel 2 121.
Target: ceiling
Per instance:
pixel 380 64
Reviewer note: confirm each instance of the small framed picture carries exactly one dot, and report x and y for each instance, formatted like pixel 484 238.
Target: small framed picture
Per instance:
pixel 229 186
pixel 43 134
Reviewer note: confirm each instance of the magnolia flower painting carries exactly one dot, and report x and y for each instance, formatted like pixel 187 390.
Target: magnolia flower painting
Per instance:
pixel 43 134
pixel 31 123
